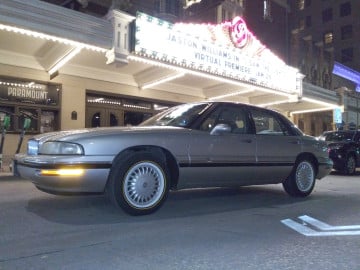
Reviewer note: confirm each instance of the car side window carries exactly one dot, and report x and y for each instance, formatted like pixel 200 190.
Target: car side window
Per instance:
pixel 268 124
pixel 235 117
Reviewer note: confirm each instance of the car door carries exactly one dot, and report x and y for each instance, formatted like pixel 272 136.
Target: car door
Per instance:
pixel 276 146
pixel 225 156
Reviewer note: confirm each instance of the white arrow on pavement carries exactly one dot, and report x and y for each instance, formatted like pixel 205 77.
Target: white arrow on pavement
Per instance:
pixel 325 229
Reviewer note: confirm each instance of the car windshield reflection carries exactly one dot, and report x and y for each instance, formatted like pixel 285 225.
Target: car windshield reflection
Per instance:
pixel 339 136
pixel 179 116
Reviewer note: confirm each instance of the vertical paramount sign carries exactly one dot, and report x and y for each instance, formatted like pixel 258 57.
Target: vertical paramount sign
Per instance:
pixel 229 50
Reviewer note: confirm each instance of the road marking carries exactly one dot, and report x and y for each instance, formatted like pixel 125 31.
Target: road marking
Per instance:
pixel 326 227
pixel 323 228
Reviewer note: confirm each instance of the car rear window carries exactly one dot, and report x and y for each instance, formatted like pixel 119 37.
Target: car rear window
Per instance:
pixel 339 136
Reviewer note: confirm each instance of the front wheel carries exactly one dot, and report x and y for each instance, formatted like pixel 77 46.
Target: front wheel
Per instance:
pixel 301 181
pixel 138 182
pixel 350 165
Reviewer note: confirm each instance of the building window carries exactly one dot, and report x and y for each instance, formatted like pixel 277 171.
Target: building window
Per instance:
pixel 223 14
pixel 308 21
pixel 167 6
pixel 301 4
pixel 267 10
pixel 346 32
pixel 327 15
pixel 345 9
pixel 328 37
pixel 301 24
pixel 347 55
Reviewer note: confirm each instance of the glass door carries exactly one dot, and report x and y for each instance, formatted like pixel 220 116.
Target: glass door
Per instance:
pixel 104 117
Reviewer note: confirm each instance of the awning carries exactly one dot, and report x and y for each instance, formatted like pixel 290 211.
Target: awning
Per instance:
pixel 49 38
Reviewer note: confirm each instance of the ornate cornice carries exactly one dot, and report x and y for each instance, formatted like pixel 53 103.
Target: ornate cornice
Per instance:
pixel 42 17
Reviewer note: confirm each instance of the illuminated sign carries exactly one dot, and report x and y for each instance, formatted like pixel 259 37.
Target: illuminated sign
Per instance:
pixel 347 73
pixel 337 115
pixel 229 50
pixel 28 92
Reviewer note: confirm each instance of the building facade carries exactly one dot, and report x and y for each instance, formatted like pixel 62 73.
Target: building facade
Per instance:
pixel 65 69
pixel 325 34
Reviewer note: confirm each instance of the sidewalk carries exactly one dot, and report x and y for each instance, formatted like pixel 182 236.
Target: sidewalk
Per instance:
pixel 8 176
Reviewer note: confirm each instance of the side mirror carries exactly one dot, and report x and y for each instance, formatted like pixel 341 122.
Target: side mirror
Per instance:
pixel 220 129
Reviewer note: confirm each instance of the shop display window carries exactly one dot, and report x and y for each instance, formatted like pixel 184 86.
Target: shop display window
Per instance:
pixel 48 121
pixel 33 115
pixel 32 105
pixel 7 118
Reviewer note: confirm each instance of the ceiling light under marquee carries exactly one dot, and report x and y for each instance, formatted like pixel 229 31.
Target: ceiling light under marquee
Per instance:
pixel 51 38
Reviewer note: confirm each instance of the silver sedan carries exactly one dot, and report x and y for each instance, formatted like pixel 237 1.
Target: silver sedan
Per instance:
pixel 208 144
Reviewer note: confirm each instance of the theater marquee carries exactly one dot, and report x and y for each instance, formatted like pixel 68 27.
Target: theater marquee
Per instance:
pixel 228 50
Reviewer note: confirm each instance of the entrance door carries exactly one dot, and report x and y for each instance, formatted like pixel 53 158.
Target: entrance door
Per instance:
pixel 104 117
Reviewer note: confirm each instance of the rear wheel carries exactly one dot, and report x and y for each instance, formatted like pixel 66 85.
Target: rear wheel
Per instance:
pixel 138 182
pixel 301 181
pixel 350 165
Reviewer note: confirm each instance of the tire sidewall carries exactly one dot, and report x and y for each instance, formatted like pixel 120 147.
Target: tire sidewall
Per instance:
pixel 290 184
pixel 121 166
pixel 346 169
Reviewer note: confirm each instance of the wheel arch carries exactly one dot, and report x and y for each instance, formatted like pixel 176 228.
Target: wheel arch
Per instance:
pixel 169 159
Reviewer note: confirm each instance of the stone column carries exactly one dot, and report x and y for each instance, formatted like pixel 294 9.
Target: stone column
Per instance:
pixel 121 36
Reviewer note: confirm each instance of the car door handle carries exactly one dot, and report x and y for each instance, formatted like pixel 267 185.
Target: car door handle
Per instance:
pixel 247 140
pixel 295 142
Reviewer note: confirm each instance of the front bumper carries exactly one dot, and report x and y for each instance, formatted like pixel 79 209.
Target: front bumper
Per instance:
pixel 325 167
pixel 92 180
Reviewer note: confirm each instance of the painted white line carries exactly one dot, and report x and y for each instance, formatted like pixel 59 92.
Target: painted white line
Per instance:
pixel 304 230
pixel 298 227
pixel 326 227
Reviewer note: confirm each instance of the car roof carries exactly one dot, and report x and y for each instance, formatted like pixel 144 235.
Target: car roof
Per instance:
pixel 339 131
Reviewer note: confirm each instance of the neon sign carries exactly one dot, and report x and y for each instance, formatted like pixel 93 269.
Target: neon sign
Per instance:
pixel 228 50
pixel 347 73
pixel 239 33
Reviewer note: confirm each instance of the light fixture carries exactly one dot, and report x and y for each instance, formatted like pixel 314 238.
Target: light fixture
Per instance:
pixel 63 60
pixel 330 105
pixel 62 172
pixel 207 76
pixel 274 103
pixel 231 94
pixel 317 110
pixel 164 80
pixel 52 38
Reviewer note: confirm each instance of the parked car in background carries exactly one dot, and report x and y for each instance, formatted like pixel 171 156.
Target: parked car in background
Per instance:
pixel 344 147
pixel 208 144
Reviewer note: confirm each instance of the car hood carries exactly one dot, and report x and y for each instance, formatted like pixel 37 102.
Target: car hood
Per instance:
pixel 75 134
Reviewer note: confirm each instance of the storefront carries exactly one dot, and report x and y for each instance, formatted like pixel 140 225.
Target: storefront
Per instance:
pixel 40 102
pixel 119 70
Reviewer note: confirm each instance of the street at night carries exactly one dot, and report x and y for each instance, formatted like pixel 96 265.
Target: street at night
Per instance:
pixel 244 228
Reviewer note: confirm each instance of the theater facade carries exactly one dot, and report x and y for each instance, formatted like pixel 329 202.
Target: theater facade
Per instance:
pixel 69 70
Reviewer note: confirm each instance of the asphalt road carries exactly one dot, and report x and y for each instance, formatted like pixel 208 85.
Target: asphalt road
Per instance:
pixel 195 229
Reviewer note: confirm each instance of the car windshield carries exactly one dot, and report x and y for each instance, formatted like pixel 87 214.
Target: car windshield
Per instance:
pixel 179 116
pixel 339 136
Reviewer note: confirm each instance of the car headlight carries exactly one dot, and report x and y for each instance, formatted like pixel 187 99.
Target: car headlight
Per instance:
pixel 61 148
pixel 32 147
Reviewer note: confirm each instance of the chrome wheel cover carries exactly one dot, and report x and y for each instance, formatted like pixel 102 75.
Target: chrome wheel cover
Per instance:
pixel 350 165
pixel 304 176
pixel 144 185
